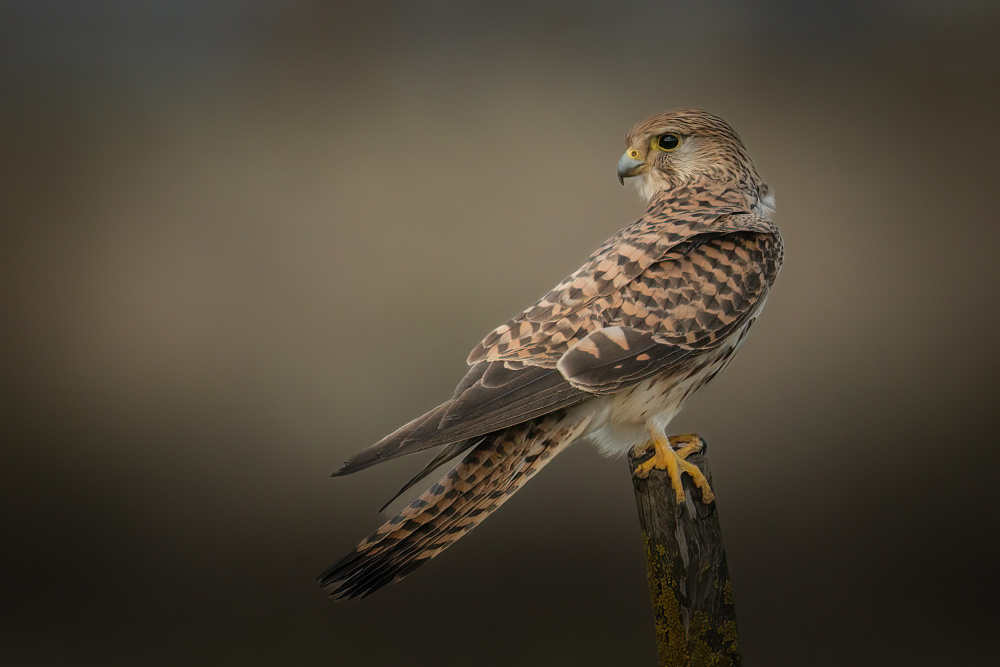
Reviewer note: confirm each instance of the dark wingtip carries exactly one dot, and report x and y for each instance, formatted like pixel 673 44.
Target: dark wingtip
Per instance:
pixel 360 461
pixel 446 454
pixel 414 437
pixel 403 490
pixel 346 469
pixel 389 502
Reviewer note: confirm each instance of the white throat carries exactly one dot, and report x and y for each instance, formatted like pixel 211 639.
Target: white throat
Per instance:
pixel 646 185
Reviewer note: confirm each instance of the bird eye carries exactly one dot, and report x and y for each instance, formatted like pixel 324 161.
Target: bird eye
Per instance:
pixel 667 142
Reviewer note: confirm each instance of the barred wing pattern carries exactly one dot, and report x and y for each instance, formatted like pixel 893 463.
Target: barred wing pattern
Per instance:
pixel 457 503
pixel 660 251
pixel 693 269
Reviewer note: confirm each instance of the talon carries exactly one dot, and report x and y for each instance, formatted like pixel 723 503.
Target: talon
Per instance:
pixel 687 444
pixel 666 457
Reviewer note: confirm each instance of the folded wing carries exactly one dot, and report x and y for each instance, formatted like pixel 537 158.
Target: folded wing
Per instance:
pixel 636 309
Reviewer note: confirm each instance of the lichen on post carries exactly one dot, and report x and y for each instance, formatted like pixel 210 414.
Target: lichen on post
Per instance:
pixel 689 585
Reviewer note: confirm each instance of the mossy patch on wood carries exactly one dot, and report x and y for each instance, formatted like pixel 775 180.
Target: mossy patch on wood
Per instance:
pixel 689 584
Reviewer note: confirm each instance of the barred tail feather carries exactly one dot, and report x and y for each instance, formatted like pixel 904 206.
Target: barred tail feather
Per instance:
pixel 457 503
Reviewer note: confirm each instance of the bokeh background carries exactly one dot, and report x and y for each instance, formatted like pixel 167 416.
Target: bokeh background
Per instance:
pixel 242 240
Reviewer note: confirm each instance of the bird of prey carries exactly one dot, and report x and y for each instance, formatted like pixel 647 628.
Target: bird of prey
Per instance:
pixel 610 355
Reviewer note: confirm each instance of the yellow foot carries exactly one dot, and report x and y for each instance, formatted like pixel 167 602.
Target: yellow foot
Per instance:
pixel 669 454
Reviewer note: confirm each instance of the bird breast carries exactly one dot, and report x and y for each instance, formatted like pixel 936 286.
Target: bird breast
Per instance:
pixel 620 419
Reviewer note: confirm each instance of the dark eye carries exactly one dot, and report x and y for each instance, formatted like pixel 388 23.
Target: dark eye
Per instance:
pixel 668 142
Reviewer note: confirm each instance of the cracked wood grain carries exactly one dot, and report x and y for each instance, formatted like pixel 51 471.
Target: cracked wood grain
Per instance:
pixel 689 583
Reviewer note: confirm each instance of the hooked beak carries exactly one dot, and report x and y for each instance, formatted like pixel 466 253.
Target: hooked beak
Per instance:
pixel 629 165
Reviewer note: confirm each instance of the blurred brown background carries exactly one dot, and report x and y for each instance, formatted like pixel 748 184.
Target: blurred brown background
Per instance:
pixel 241 241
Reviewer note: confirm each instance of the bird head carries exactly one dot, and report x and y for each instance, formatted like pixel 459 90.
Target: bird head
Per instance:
pixel 686 146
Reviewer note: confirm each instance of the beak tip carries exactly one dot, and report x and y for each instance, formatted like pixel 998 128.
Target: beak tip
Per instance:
pixel 621 180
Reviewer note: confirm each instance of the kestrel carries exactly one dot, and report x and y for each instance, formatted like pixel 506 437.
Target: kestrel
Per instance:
pixel 610 355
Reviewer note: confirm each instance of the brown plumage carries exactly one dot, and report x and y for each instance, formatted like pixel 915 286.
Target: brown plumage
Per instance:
pixel 610 354
pixel 484 479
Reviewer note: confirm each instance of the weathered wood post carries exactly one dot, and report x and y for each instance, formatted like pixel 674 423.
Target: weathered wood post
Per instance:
pixel 688 577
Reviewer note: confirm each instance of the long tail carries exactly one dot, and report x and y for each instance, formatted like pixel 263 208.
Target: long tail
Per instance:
pixel 457 503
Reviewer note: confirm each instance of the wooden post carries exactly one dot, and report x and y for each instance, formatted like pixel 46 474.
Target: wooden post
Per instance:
pixel 688 577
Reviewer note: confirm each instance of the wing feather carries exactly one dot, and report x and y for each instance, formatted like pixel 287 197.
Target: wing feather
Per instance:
pixel 495 399
pixel 672 285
